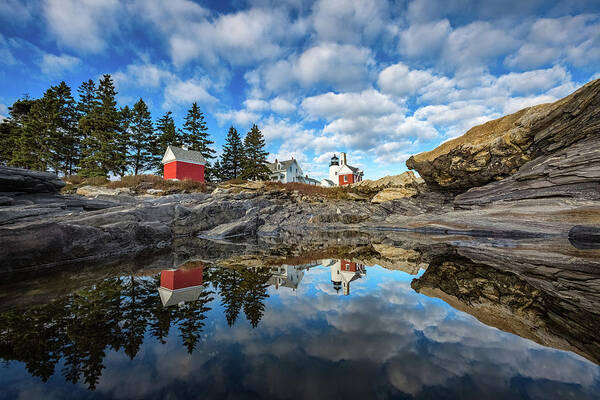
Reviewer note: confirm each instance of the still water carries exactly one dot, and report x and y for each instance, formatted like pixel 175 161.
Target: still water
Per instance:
pixel 329 329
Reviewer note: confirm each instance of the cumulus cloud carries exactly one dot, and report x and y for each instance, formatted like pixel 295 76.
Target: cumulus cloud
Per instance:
pixel 143 75
pixel 187 92
pixel 366 103
pixel 54 65
pixel 575 39
pixel 282 106
pixel 83 25
pixel 237 117
pixel 401 81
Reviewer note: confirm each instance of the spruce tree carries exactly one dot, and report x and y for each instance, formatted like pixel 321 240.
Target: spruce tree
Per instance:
pixel 140 157
pixel 124 138
pixel 166 135
pixel 196 137
pixel 233 154
pixel 11 129
pixel 255 156
pixel 64 141
pixel 31 147
pixel 100 128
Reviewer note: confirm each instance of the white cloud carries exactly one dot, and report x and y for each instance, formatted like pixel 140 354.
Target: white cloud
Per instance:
pixel 256 105
pixel 426 39
pixel 342 67
pixel 143 75
pixel 186 92
pixel 3 112
pixel 401 81
pixel 6 54
pixel 54 65
pixel 242 118
pixel 15 11
pixel 476 43
pixel 282 106
pixel 349 21
pixel 575 39
pixel 83 25
pixel 366 103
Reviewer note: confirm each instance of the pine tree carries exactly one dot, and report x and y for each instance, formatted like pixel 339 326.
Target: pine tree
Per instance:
pixel 233 154
pixel 64 141
pixel 31 147
pixel 141 138
pixel 100 128
pixel 196 137
pixel 166 135
pixel 216 171
pixel 11 129
pixel 255 156
pixel 124 138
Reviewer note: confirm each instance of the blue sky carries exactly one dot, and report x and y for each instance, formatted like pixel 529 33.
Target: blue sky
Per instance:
pixel 378 79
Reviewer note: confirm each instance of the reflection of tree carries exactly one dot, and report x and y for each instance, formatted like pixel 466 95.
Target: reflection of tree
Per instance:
pixel 116 314
pixel 255 285
pixel 242 288
pixel 80 328
pixel 229 282
pixel 192 316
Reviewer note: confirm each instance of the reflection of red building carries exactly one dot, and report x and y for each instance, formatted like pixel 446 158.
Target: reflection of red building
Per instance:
pixel 178 286
pixel 181 278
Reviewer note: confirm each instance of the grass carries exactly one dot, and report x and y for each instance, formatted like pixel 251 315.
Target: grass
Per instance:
pixel 137 183
pixel 304 189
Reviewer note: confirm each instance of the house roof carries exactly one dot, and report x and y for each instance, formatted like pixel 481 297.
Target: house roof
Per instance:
pixel 350 169
pixel 284 165
pixel 178 154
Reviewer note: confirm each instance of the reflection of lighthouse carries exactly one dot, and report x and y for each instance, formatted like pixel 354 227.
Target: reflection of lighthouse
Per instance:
pixel 343 272
pixel 178 286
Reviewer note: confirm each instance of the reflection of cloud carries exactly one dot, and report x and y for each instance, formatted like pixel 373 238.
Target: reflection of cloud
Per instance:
pixel 384 339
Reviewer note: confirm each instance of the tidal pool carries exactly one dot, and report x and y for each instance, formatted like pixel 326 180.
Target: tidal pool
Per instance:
pixel 330 329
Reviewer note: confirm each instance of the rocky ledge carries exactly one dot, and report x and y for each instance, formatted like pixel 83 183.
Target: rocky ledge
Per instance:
pixel 535 173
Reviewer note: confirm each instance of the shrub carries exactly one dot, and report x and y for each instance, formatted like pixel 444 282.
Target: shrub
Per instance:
pixel 311 190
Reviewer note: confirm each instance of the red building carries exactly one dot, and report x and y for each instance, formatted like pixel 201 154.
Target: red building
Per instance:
pixel 183 164
pixel 340 173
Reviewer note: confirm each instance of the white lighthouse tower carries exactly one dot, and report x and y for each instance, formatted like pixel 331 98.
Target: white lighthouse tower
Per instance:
pixel 334 167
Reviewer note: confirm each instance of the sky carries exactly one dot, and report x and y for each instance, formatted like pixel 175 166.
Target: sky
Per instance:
pixel 380 80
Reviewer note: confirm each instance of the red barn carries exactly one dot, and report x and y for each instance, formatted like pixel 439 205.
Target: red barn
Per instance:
pixel 183 164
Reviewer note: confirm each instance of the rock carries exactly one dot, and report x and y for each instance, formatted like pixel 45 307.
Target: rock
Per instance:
pixel 6 201
pixel 497 149
pixel 24 180
pixel 155 191
pixel 404 180
pixel 573 172
pixel 93 191
pixel 585 237
pixel 390 194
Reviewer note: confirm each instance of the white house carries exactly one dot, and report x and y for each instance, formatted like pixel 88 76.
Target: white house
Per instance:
pixel 289 171
pixel 340 173
pixel 285 171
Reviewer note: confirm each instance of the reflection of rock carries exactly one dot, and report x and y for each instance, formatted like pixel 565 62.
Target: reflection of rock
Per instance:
pixel 585 237
pixel 508 302
pixel 498 148
pixel 396 258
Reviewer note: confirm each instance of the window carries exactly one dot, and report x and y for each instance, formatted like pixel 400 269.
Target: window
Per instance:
pixel 345 178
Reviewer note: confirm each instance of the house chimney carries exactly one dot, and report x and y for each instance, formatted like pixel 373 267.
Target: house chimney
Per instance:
pixel 343 160
pixel 275 161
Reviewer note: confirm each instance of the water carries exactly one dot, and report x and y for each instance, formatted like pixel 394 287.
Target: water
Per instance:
pixel 331 328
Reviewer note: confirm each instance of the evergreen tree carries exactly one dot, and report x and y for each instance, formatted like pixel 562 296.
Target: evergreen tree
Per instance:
pixel 196 137
pixel 166 135
pixel 85 105
pixel 100 128
pixel 255 156
pixel 141 138
pixel 11 129
pixel 124 138
pixel 49 138
pixel 233 154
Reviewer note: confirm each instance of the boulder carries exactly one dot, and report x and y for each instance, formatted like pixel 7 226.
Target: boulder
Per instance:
pixel 405 179
pixel 93 191
pixel 390 194
pixel 497 149
pixel 24 180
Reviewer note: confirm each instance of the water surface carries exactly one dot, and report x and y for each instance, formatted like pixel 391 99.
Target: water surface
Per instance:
pixel 332 328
